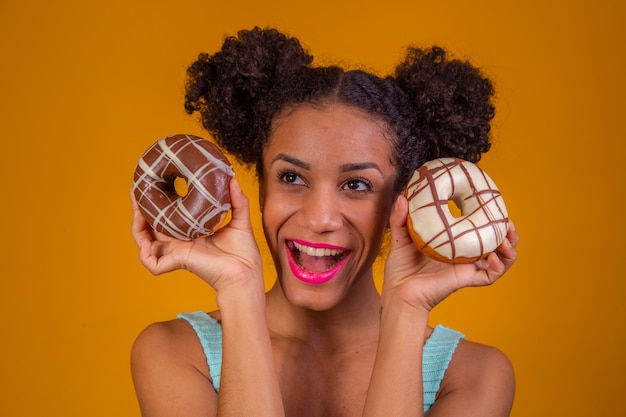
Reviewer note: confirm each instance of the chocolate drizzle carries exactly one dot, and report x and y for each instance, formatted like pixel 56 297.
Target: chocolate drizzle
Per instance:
pixel 483 222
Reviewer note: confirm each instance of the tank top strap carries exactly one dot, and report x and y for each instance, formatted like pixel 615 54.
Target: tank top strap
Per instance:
pixel 436 356
pixel 209 332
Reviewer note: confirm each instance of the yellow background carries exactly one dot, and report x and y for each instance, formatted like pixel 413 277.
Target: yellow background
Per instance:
pixel 87 86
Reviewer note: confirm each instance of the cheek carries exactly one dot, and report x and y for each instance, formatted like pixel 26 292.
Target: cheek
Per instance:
pixel 381 213
pixel 381 222
pixel 274 215
pixel 274 212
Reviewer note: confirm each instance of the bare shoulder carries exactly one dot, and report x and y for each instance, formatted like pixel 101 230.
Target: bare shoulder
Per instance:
pixel 170 372
pixel 169 341
pixel 479 381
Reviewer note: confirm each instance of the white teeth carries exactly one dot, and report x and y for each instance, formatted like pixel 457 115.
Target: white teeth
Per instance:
pixel 316 251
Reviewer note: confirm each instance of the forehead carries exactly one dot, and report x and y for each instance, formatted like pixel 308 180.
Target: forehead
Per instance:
pixel 331 131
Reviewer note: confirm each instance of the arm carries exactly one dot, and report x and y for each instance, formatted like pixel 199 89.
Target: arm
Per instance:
pixel 249 383
pixel 395 385
pixel 172 378
pixel 170 373
pixel 413 286
pixel 479 382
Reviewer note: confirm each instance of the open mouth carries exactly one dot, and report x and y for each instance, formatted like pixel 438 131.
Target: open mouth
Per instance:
pixel 315 264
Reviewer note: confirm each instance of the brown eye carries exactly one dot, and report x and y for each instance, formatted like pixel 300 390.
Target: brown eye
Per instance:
pixel 290 177
pixel 358 184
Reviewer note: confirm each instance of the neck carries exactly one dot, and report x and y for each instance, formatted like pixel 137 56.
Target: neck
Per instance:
pixel 354 320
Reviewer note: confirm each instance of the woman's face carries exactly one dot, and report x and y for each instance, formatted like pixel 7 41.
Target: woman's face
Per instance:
pixel 326 195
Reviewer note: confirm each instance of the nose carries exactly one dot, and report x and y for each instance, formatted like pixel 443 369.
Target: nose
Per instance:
pixel 321 211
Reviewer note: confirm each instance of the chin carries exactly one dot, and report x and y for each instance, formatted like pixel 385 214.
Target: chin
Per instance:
pixel 312 297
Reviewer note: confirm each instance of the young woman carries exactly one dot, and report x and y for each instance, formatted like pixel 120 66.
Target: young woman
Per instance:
pixel 333 150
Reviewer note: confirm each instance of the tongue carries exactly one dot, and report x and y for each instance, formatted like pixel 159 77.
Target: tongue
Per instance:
pixel 316 263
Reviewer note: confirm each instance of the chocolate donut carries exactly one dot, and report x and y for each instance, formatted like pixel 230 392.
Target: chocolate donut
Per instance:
pixel 207 173
pixel 483 223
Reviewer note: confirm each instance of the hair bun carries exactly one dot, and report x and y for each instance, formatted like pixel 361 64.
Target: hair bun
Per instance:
pixel 452 101
pixel 227 88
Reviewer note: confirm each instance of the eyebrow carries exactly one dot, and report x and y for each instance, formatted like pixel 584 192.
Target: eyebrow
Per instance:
pixel 295 161
pixel 356 166
pixel 360 166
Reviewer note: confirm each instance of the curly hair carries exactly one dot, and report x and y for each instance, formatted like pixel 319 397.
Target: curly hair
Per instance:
pixel 430 107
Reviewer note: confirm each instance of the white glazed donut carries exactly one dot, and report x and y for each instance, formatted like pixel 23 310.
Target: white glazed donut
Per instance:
pixel 483 223
pixel 207 173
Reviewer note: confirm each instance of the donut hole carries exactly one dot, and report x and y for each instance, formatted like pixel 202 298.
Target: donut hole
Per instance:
pixel 180 186
pixel 454 208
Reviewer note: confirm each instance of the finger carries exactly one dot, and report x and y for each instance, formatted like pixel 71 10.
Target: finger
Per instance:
pixel 397 223
pixel 496 266
pixel 133 200
pixel 506 252
pixel 500 260
pixel 240 205
pixel 140 229
pixel 146 256
pixel 153 255
pixel 512 234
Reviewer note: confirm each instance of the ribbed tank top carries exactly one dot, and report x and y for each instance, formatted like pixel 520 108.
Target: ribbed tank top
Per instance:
pixel 436 356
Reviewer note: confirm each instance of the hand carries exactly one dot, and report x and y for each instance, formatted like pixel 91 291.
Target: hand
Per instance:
pixel 222 259
pixel 424 282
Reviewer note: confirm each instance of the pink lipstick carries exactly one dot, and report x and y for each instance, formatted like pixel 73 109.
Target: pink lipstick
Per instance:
pixel 315 263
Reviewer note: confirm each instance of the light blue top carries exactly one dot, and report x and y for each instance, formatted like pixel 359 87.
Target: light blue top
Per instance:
pixel 436 355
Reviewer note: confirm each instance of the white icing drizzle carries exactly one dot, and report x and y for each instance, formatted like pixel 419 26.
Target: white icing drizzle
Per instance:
pixel 199 211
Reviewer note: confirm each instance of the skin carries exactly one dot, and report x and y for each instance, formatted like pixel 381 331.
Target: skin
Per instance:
pixel 323 349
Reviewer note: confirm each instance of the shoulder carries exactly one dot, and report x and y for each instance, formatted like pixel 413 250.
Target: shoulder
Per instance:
pixel 169 368
pixel 479 378
pixel 175 339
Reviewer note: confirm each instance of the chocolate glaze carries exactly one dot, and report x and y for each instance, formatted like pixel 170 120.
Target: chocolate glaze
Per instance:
pixel 207 172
